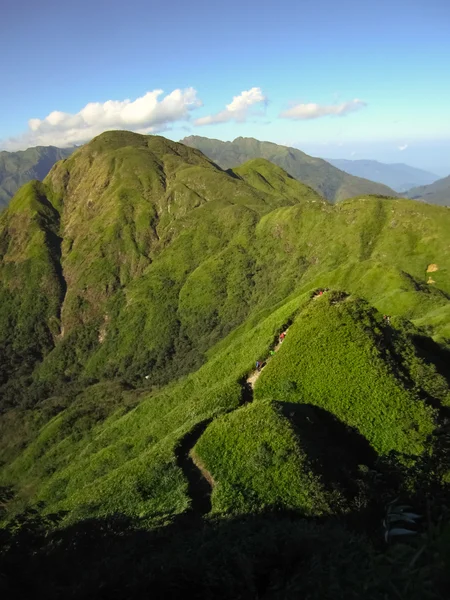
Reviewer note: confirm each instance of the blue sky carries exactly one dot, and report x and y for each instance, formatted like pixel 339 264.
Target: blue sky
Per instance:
pixel 347 79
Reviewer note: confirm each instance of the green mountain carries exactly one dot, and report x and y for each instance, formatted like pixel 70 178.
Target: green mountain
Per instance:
pixel 17 168
pixel 436 193
pixel 141 449
pixel 331 183
pixel 398 176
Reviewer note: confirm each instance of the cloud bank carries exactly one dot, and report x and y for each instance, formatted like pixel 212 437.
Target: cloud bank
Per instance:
pixel 238 109
pixel 401 148
pixel 147 114
pixel 315 111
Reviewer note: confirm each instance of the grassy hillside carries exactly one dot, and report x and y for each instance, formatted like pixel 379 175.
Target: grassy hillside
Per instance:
pixel 31 284
pixel 140 283
pixel 339 344
pixel 329 182
pixel 96 456
pixel 281 452
pixel 435 193
pixel 147 224
pixel 17 168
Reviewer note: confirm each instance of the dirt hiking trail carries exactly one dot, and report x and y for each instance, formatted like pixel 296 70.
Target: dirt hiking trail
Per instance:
pixel 254 376
pixel 200 480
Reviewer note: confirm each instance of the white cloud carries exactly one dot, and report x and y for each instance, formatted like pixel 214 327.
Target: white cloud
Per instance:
pixel 401 148
pixel 147 114
pixel 314 111
pixel 237 110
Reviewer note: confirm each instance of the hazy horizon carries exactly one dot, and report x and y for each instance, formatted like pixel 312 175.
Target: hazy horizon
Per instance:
pixel 300 75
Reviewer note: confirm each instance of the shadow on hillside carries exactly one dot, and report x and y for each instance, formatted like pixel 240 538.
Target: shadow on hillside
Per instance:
pixel 109 558
pixel 199 489
pixel 247 392
pixel 433 353
pixel 265 556
pixel 232 174
pixel 333 449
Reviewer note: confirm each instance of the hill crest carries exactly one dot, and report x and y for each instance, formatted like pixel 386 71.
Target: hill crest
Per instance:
pixel 330 182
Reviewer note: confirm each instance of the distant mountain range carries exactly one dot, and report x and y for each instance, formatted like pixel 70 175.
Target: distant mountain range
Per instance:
pixel 436 193
pixel 332 183
pixel 17 168
pixel 398 176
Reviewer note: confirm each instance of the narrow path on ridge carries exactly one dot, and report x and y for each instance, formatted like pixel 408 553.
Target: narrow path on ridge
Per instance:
pixel 200 480
pixel 254 376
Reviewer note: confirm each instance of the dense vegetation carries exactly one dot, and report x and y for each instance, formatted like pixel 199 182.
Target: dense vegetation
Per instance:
pixel 333 184
pixel 139 285
pixel 17 168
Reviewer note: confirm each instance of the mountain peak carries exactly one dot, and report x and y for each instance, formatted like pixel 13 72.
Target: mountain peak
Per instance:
pixel 316 173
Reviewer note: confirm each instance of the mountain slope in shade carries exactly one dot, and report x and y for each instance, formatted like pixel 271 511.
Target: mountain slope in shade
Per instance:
pixel 436 193
pixel 16 168
pixel 331 183
pixel 398 176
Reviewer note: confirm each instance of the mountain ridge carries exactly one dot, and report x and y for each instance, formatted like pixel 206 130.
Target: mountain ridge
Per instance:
pixel 399 176
pixel 16 168
pixel 329 182
pixel 437 192
pixel 140 284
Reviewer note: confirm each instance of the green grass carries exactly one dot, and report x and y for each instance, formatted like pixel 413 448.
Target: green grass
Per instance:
pixel 92 457
pixel 30 284
pixel 164 254
pixel 329 182
pixel 336 356
pixel 187 274
pixel 255 458
pixel 180 271
pixel 70 465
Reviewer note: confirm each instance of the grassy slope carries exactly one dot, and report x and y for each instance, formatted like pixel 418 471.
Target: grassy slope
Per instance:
pixel 17 168
pixel 30 282
pixel 137 229
pixel 349 387
pixel 271 179
pixel 437 192
pixel 257 462
pixel 163 254
pixel 378 249
pixel 328 181
pixel 99 457
pixel 344 346
pixel 219 257
pixel 219 265
pixel 115 465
